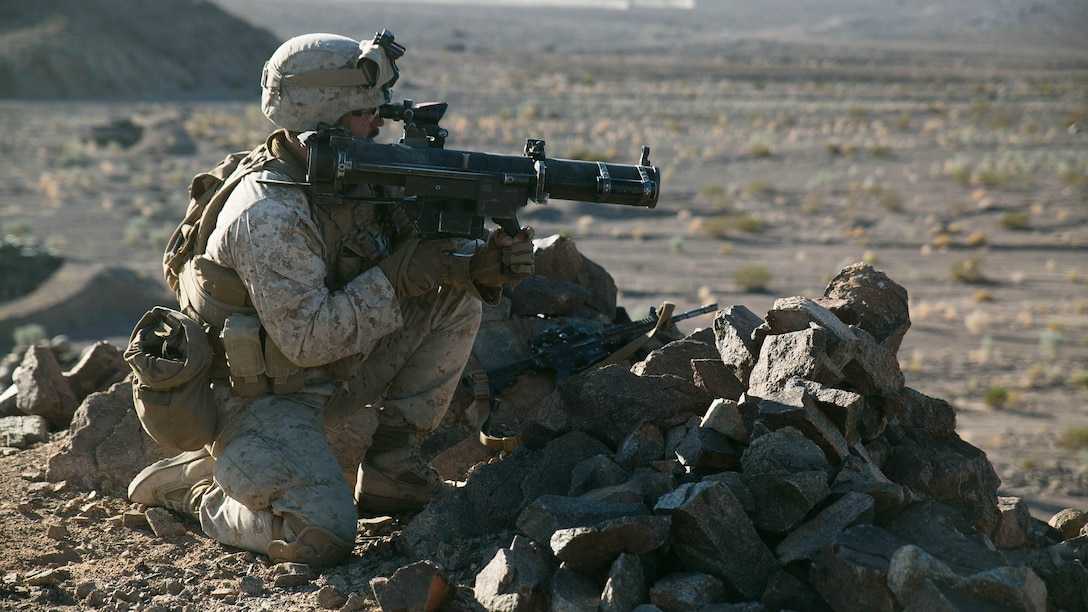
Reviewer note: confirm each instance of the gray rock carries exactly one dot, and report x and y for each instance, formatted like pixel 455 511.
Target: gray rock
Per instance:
pixel 106 445
pixel 23 431
pixel 596 472
pixel 717 379
pixel 873 369
pixel 610 402
pixel 419 586
pixel 1015 523
pixel 945 534
pixel 793 405
pixel 733 336
pixel 800 354
pixel 859 474
pixel 99 366
pixel 806 540
pixel 858 557
pixel 706 451
pixel 516 578
pixel 682 591
pixel 572 591
pixel 788 592
pixel 921 581
pixel 788 475
pixel 162 523
pixel 736 485
pixel 644 486
pixel 558 258
pixel 675 357
pixel 794 314
pixel 488 503
pixel 591 549
pixel 860 295
pixel 42 388
pixel 539 294
pixel 947 469
pixel 552 474
pixel 625 587
pixel 550 513
pixel 915 410
pixel 1069 522
pixel 724 416
pixel 711 533
pixel 642 447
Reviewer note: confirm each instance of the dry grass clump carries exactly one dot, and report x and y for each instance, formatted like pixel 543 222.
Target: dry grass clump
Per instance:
pixel 722 226
pixel 1074 439
pixel 752 278
pixel 967 270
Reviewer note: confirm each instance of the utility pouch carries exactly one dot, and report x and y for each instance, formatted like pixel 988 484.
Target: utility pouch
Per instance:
pixel 170 357
pixel 285 376
pixel 241 338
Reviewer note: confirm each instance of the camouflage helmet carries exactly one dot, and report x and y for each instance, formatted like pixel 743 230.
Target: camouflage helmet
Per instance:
pixel 317 78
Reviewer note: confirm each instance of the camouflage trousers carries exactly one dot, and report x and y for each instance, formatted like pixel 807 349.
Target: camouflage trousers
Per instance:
pixel 272 458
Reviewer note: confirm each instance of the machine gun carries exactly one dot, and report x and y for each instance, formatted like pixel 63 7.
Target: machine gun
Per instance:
pixel 449 193
pixel 565 351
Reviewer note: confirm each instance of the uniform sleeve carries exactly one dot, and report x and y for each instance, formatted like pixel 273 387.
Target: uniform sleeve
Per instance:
pixel 266 234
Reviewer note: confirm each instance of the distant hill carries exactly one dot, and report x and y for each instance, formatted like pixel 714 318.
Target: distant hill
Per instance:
pixel 128 49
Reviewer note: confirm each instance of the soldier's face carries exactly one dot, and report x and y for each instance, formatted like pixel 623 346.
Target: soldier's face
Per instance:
pixel 363 123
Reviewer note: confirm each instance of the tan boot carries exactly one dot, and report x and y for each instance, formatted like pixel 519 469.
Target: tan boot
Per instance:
pixel 393 477
pixel 176 484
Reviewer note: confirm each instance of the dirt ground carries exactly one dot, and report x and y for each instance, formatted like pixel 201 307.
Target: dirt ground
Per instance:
pixel 948 150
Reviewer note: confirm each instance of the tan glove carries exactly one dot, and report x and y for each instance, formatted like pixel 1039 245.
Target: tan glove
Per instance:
pixel 496 264
pixel 417 266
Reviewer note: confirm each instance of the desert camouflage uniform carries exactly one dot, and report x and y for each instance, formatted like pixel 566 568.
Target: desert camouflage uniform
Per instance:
pixel 274 472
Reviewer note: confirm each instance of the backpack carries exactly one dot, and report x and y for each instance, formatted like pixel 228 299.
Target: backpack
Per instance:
pixel 208 191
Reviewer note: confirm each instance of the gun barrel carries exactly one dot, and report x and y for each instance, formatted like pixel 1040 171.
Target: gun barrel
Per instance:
pixel 340 160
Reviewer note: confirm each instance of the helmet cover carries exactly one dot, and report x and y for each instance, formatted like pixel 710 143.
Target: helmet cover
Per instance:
pixel 317 78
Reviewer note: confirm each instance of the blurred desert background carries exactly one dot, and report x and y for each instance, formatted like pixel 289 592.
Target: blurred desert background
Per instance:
pixel 945 143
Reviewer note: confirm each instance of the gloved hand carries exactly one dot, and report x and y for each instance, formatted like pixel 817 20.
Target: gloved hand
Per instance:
pixel 417 266
pixel 503 259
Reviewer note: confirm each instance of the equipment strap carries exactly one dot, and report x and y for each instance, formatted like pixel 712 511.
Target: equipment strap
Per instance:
pixel 481 391
pixel 664 316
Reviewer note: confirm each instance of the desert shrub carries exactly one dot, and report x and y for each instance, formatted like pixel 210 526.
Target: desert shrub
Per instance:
pixel 136 231
pixel 1077 114
pixel 583 153
pixel 857 114
pixel 1050 341
pixel 752 278
pixel 891 202
pixel 724 225
pixel 1016 219
pixel 967 270
pixel 676 244
pixel 27 335
pixel 996 397
pixel 711 190
pixel 1078 380
pixel 902 122
pixel 880 150
pixel 982 295
pixel 990 178
pixel 760 150
pixel 976 239
pixel 1074 439
pixel 759 187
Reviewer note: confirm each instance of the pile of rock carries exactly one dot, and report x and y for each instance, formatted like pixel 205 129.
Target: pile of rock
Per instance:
pixel 773 462
pixel 777 461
